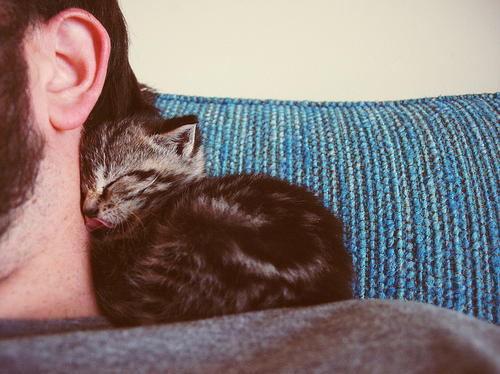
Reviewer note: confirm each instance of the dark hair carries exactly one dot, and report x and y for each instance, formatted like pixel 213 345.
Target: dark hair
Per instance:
pixel 121 95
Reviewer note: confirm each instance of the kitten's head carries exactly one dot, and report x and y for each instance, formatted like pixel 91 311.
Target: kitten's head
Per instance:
pixel 129 166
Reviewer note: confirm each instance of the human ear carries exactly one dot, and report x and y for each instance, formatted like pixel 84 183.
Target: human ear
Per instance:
pixel 79 48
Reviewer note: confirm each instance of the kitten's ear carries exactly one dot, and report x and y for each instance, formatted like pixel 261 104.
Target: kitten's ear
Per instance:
pixel 185 140
pixel 170 124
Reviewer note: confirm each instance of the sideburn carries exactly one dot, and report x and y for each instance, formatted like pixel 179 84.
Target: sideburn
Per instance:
pixel 21 145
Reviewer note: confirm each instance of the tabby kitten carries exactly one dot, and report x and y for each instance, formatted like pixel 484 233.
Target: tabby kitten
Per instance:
pixel 170 243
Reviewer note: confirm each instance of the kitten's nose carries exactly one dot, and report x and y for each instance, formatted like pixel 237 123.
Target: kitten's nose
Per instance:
pixel 90 211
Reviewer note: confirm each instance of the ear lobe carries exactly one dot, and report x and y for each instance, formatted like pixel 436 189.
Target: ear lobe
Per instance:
pixel 79 50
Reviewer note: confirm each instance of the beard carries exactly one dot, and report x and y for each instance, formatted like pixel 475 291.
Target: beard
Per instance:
pixel 21 145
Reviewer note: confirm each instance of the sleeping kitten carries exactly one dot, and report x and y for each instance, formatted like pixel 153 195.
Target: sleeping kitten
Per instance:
pixel 170 243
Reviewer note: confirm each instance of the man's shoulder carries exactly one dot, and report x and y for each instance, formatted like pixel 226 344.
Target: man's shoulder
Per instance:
pixel 356 336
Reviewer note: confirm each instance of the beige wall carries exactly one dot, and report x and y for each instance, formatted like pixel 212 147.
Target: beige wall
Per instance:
pixel 316 49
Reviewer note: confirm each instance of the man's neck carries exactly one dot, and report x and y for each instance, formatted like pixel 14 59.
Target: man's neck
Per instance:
pixel 55 283
pixel 52 277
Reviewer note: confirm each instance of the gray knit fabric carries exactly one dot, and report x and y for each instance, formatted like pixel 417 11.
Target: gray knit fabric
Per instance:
pixel 359 336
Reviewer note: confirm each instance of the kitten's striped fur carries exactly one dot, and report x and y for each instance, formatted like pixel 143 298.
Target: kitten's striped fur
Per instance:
pixel 170 243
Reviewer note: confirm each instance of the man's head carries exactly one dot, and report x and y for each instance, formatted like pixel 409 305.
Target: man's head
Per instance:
pixel 21 141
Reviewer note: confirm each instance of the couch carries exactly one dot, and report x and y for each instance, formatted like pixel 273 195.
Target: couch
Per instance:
pixel 416 183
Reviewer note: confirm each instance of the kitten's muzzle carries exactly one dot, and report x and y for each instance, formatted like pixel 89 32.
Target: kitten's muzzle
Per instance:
pixel 92 222
pixel 90 211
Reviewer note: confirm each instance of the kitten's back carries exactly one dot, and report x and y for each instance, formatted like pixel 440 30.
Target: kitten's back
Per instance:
pixel 241 243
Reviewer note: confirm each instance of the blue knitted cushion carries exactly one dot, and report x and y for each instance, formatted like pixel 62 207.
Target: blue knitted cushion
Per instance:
pixel 416 182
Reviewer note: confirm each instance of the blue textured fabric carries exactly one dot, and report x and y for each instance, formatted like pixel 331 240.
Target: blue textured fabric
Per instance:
pixel 416 182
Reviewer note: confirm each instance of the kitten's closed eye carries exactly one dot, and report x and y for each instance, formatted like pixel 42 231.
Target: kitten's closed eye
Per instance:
pixel 116 202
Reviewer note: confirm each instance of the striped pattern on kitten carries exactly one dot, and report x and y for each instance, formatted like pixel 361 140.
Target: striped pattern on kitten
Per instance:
pixel 170 243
